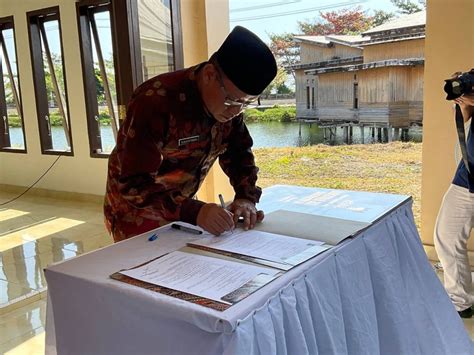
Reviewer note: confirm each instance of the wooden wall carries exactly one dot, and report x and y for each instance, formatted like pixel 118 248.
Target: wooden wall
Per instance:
pixel 343 51
pixel 394 50
pixel 373 85
pixel 336 89
pixel 390 95
pixel 311 53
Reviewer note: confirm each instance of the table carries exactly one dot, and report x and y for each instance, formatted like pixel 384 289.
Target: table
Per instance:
pixel 375 293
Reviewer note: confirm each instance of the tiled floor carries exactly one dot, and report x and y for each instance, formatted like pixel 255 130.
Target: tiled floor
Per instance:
pixel 35 232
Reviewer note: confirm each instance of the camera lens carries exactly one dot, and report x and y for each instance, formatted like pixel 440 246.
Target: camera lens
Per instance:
pixel 456 88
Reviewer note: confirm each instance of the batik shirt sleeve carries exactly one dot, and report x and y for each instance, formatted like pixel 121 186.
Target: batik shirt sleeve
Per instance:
pixel 238 162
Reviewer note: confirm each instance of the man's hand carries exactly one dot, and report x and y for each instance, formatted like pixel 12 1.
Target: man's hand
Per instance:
pixel 214 219
pixel 466 103
pixel 246 209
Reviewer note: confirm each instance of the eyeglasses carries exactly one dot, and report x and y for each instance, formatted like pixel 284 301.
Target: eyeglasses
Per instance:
pixel 228 100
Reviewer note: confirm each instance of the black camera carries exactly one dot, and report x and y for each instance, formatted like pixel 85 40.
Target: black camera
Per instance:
pixel 459 84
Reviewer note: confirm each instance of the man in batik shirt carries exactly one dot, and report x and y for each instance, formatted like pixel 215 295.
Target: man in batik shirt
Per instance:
pixel 177 125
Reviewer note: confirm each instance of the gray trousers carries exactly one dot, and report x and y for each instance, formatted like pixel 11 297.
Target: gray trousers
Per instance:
pixel 453 227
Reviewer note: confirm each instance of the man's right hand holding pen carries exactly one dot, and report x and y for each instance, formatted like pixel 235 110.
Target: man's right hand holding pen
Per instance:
pixel 219 219
pixel 215 219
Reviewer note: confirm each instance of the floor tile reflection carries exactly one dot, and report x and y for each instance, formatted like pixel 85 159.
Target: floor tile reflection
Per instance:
pixel 23 322
pixel 38 231
pixel 35 232
pixel 10 292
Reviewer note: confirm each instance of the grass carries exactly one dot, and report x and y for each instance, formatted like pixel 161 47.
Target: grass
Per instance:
pixel 390 168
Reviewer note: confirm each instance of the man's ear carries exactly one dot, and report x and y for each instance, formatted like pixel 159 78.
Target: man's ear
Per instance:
pixel 209 73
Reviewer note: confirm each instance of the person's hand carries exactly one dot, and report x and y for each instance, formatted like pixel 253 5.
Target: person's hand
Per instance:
pixel 246 209
pixel 466 103
pixel 214 219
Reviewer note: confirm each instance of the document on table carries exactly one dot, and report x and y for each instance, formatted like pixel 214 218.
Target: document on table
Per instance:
pixel 309 226
pixel 267 246
pixel 212 278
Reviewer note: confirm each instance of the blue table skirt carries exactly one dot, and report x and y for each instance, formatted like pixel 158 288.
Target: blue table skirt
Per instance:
pixel 376 294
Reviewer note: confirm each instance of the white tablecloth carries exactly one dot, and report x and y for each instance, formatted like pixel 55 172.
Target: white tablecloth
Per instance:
pixel 374 294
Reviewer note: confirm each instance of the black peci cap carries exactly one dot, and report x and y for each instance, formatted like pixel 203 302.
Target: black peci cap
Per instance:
pixel 246 61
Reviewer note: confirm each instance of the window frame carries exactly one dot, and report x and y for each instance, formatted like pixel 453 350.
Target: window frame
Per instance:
pixel 126 54
pixel 308 97
pixel 41 98
pixel 88 77
pixel 6 23
pixel 355 88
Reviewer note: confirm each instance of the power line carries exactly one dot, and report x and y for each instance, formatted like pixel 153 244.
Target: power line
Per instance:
pixel 300 11
pixel 256 7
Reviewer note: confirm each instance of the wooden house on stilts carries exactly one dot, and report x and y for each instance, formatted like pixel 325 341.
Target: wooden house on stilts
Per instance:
pixel 373 80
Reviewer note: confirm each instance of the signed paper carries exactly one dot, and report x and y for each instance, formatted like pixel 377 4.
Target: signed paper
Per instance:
pixel 199 275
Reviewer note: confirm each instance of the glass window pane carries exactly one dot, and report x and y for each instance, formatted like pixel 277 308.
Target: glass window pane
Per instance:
pixel 57 107
pixel 13 123
pixel 105 89
pixel 156 38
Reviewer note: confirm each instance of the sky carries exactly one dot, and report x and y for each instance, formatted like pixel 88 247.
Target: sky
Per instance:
pixel 280 16
pixel 259 16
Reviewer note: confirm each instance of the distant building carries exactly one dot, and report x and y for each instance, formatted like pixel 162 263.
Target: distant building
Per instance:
pixel 374 79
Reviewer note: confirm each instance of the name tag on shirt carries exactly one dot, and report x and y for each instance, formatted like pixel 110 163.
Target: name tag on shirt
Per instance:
pixel 187 140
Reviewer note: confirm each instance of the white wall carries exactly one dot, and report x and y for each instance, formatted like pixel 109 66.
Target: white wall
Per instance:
pixel 79 173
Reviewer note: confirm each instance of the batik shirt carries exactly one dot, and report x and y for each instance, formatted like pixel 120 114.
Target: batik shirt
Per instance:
pixel 165 148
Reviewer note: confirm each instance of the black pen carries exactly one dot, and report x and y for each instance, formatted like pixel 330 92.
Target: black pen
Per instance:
pixel 221 198
pixel 185 229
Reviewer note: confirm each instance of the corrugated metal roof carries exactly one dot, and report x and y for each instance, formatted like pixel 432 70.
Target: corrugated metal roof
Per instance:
pixel 316 39
pixel 412 20
pixel 345 39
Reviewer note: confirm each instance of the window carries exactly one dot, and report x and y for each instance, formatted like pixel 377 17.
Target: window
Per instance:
pixel 307 98
pixel 156 39
pixel 115 61
pixel 12 132
pixel 49 81
pixel 99 76
pixel 313 105
pixel 356 95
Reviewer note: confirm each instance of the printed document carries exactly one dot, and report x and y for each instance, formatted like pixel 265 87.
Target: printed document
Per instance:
pixel 203 276
pixel 262 245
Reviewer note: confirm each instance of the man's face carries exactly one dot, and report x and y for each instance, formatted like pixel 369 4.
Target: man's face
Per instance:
pixel 224 100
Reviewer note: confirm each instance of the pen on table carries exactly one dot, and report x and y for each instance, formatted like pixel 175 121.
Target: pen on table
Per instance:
pixel 152 237
pixel 185 229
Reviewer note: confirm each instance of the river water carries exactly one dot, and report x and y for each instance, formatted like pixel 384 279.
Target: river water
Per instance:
pixel 264 134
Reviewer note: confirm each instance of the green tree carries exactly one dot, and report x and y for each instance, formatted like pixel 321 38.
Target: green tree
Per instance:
pixel 408 6
pixel 99 86
pixel 8 90
pixel 380 17
pixel 278 84
pixel 58 72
